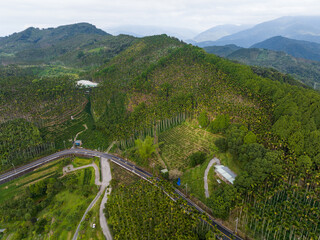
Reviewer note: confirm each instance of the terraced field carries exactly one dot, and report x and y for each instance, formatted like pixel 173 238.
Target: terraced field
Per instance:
pixel 181 141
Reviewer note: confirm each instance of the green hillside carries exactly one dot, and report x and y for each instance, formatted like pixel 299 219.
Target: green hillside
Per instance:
pixel 284 118
pixel 158 83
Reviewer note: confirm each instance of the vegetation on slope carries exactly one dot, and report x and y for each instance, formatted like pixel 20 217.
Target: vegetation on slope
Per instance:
pixel 283 119
pixel 131 99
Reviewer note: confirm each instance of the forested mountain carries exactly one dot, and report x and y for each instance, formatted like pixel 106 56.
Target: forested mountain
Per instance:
pixel 170 77
pixel 76 45
pixel 267 122
pixel 306 71
pixel 296 48
pixel 222 51
pixel 300 28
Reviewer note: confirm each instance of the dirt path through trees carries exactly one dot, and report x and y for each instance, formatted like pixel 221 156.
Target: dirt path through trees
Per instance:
pixel 205 178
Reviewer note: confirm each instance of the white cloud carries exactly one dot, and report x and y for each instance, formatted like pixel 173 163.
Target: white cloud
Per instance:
pixel 199 15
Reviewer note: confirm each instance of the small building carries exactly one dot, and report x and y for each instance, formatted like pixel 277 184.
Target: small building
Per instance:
pixel 86 84
pixel 164 171
pixel 78 143
pixel 225 173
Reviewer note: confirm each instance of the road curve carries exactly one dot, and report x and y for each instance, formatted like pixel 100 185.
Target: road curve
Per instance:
pixel 205 178
pixel 227 234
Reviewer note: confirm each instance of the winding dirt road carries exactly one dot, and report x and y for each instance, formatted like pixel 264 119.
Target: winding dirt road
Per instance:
pixel 205 178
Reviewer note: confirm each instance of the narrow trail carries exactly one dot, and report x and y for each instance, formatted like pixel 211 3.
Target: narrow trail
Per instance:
pixel 85 128
pixel 111 145
pixel 205 178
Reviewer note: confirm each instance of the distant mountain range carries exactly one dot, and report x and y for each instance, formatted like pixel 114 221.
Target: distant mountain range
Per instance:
pixel 299 28
pixel 306 71
pixel 296 48
pixel 218 32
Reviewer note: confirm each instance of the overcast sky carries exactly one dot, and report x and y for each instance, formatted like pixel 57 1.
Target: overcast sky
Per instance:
pixel 198 15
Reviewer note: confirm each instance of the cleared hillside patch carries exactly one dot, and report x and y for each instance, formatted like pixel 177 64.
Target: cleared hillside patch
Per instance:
pixel 180 142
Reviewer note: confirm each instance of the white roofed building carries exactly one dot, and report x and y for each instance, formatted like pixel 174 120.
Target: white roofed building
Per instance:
pixel 86 83
pixel 225 173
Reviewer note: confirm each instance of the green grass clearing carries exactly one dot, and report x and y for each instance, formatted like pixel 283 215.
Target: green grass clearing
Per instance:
pixel 81 161
pixel 66 210
pixel 194 180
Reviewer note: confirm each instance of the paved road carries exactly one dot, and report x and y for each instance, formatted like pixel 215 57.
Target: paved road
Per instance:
pixel 106 178
pixel 227 234
pixel 205 178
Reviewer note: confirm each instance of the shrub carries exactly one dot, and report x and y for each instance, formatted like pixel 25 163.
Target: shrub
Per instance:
pixel 220 124
pixel 203 119
pixel 222 144
pixel 197 158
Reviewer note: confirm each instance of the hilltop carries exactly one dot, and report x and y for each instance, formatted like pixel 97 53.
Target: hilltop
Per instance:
pixel 73 45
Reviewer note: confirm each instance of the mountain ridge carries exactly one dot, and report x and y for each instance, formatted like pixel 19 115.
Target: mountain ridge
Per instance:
pixel 36 37
pixel 296 48
pixel 218 32
pixel 304 70
pixel 74 44
pixel 300 28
